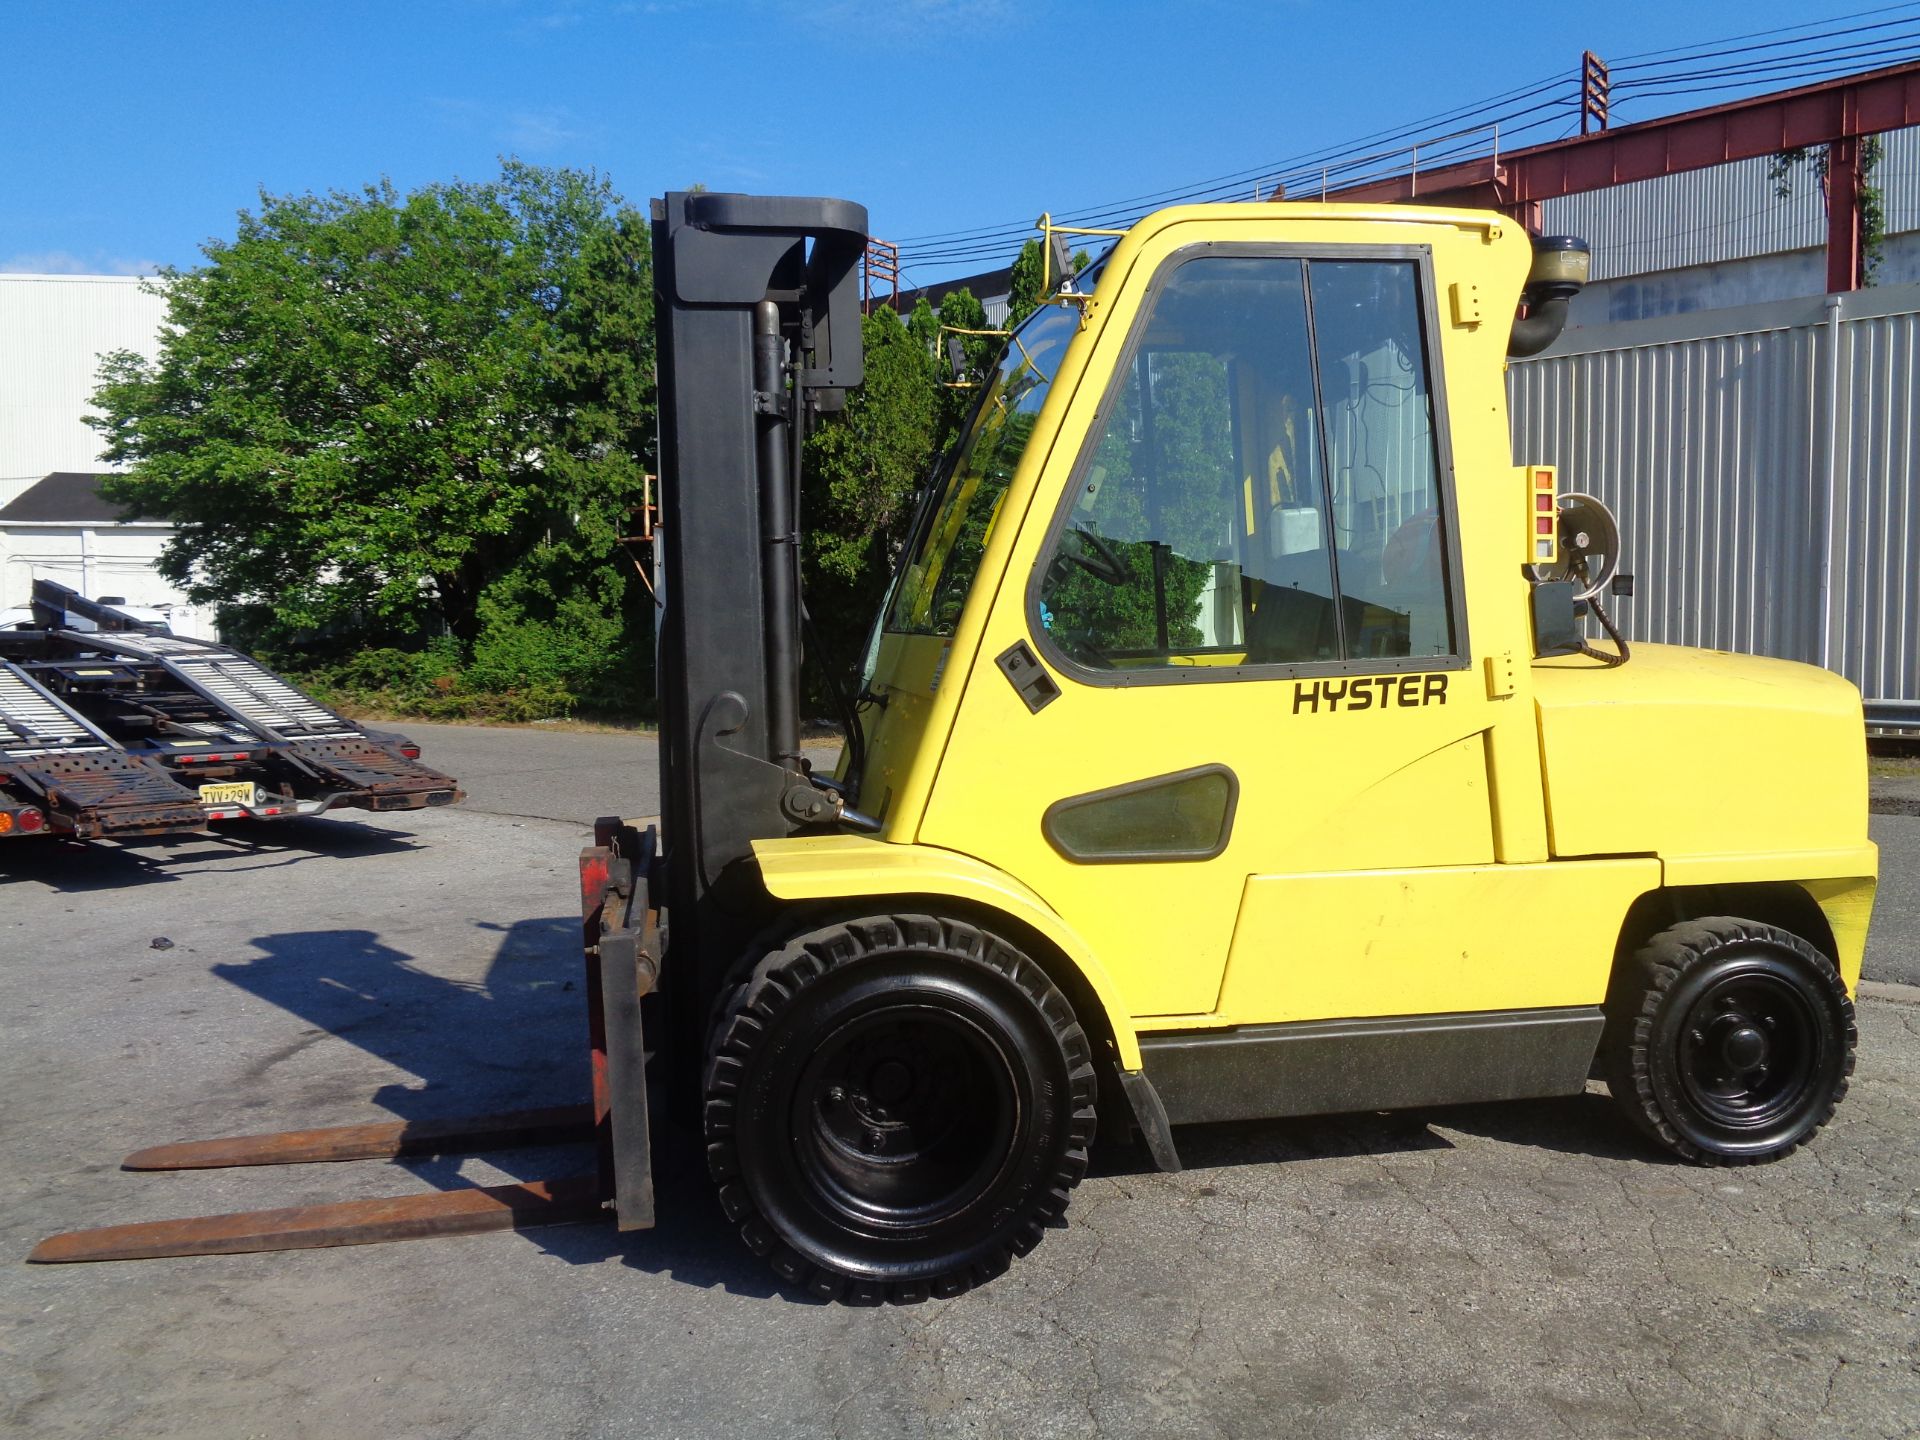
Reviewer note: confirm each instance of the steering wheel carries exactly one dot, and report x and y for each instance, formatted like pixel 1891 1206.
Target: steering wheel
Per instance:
pixel 1104 564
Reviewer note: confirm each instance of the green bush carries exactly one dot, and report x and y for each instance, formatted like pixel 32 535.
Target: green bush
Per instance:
pixel 515 680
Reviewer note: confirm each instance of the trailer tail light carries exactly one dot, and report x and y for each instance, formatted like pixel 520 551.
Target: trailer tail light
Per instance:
pixel 24 821
pixel 221 758
pixel 410 750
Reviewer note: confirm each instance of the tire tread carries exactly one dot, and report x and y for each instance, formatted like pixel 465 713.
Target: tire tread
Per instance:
pixel 1634 1007
pixel 753 1004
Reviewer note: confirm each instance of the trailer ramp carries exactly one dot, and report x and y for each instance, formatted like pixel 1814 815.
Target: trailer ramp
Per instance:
pixel 90 785
pixel 335 748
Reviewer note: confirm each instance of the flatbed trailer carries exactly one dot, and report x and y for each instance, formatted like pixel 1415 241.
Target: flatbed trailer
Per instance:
pixel 60 774
pixel 114 727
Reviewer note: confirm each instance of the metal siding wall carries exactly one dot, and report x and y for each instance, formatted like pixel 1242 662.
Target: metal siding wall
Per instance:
pixel 1724 212
pixel 1714 451
pixel 1876 572
pixel 1899 177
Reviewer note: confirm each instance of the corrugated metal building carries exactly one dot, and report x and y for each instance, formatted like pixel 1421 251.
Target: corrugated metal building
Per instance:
pixel 54 329
pixel 1720 237
pixel 1764 462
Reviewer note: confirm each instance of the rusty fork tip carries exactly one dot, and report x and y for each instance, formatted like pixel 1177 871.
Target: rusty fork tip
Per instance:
pixel 427 1215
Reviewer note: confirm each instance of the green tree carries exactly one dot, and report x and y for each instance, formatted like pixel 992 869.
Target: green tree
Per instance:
pixel 963 311
pixel 394 414
pixel 1023 284
pixel 1160 505
pixel 862 469
pixel 1873 199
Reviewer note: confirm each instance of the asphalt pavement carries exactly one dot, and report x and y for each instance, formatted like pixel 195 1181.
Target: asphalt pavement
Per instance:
pixel 542 772
pixel 1482 1271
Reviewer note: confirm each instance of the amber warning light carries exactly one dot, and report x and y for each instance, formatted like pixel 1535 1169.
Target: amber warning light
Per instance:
pixel 25 821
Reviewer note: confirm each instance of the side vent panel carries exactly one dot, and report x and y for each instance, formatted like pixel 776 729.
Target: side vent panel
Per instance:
pixel 1187 815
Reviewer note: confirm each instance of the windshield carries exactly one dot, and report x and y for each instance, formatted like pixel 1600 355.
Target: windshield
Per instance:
pixel 933 585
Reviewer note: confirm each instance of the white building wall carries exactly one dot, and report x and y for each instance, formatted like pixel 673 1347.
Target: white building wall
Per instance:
pixel 1729 283
pixel 96 560
pixel 53 331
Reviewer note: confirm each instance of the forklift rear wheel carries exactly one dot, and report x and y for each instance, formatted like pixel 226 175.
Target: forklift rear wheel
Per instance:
pixel 1728 1041
pixel 896 1106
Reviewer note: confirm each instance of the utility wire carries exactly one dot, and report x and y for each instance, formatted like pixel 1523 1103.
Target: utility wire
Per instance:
pixel 1833 20
pixel 1377 137
pixel 1811 58
pixel 1467 131
pixel 1294 174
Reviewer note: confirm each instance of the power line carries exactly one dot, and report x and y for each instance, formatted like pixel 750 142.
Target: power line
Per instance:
pixel 1863 49
pixel 1340 164
pixel 1262 171
pixel 1740 79
pixel 1778 30
pixel 1476 130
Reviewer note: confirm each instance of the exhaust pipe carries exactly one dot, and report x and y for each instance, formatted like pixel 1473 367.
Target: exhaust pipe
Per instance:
pixel 1561 264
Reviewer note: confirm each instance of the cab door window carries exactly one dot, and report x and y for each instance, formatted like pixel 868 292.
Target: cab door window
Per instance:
pixel 1263 486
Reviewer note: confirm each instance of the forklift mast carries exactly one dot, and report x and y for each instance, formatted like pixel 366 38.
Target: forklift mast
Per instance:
pixel 758 316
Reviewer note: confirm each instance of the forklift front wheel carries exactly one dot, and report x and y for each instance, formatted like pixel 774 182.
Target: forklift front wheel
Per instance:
pixel 896 1106
pixel 1728 1041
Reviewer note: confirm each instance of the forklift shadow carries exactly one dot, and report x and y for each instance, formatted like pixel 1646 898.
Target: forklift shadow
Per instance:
pixel 1274 1142
pixel 514 1039
pixel 1589 1124
pixel 691 1242
pixel 1586 1124
pixel 78 867
pixel 470 1046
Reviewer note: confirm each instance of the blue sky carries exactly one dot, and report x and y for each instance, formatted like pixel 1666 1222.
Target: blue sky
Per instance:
pixel 130 133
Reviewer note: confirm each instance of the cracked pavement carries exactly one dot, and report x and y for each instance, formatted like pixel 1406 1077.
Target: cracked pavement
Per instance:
pixel 1483 1271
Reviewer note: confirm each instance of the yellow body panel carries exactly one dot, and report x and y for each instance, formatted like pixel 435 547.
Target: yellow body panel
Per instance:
pixel 1847 902
pixel 1478 853
pixel 1697 752
pixel 833 867
pixel 1336 945
pixel 1299 808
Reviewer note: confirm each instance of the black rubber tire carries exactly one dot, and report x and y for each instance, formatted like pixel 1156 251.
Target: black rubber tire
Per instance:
pixel 831 1123
pixel 1728 1042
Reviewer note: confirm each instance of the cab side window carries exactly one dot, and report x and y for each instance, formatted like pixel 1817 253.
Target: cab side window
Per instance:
pixel 1382 470
pixel 1251 497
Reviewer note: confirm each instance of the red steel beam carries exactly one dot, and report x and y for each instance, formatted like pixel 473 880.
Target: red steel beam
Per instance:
pixel 1848 108
pixel 1845 262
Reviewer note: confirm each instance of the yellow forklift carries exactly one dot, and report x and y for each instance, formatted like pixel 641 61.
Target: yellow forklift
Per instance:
pixel 1229 745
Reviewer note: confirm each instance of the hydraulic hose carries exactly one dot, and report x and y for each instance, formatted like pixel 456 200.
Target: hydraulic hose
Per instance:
pixel 1606 657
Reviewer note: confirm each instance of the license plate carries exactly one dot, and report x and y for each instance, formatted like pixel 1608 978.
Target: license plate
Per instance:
pixel 234 793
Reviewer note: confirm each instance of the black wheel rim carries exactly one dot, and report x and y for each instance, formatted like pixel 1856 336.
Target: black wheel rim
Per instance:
pixel 1748 1050
pixel 904 1118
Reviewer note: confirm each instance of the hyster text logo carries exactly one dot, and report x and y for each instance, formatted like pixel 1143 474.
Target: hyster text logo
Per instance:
pixel 1368 691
